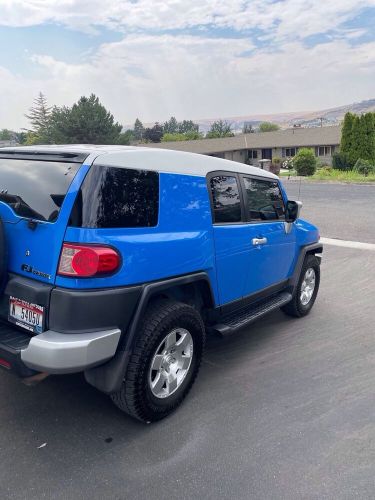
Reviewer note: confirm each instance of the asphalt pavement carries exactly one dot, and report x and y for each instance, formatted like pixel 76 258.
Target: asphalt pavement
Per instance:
pixel 282 410
pixel 344 211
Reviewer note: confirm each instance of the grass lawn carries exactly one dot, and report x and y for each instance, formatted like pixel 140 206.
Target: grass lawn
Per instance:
pixel 333 175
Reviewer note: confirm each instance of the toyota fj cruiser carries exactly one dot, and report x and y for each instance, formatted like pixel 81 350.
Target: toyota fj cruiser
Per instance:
pixel 116 261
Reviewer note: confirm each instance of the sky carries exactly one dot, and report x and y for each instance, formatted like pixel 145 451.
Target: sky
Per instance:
pixel 192 59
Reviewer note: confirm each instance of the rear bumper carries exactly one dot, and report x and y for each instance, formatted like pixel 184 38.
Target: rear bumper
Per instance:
pixel 54 352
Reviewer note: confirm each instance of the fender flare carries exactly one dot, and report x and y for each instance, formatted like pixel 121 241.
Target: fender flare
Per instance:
pixel 108 377
pixel 313 249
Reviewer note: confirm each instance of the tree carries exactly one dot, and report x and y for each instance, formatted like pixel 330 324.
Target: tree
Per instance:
pixel 139 130
pixel 86 122
pixel 39 116
pixel 248 128
pixel 268 127
pixel 347 134
pixel 125 138
pixel 358 137
pixel 155 133
pixel 171 126
pixel 305 162
pixel 187 126
pixel 220 128
pixel 6 135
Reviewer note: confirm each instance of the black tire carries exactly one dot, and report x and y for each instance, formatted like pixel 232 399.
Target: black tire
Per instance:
pixel 295 307
pixel 135 396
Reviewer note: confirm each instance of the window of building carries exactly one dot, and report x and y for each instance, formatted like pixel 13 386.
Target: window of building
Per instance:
pixel 226 199
pixel 324 151
pixel 289 152
pixel 264 200
pixel 252 154
pixel 117 197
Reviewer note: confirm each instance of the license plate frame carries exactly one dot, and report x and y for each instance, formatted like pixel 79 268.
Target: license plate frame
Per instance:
pixel 26 315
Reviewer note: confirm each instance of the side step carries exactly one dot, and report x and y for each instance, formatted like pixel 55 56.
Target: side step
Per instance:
pixel 242 317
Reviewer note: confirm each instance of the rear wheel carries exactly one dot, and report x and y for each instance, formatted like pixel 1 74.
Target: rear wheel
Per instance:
pixel 306 290
pixel 164 363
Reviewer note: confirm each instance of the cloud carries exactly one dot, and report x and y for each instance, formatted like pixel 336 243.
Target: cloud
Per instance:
pixel 153 77
pixel 278 19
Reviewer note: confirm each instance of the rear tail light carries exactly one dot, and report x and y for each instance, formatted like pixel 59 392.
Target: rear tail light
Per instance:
pixel 83 261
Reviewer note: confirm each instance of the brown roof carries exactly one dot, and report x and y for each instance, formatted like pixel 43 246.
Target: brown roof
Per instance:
pixel 326 136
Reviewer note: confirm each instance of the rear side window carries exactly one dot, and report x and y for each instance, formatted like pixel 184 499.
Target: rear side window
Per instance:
pixel 263 200
pixel 226 199
pixel 35 189
pixel 117 197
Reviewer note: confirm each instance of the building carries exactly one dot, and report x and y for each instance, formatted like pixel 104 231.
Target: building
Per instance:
pixel 250 148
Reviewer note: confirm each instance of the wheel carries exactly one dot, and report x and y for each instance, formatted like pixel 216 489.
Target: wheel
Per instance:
pixel 164 363
pixel 307 289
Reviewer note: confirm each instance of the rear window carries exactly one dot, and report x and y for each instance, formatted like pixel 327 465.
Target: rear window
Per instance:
pixel 35 189
pixel 117 197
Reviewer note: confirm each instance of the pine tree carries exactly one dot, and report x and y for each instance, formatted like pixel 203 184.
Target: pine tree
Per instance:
pixel 347 133
pixel 39 116
pixel 171 126
pixel 139 130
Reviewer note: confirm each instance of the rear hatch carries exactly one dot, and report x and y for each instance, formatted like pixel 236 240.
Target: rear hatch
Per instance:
pixel 36 198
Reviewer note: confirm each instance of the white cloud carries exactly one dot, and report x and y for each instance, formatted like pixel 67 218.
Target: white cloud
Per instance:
pixel 297 18
pixel 153 77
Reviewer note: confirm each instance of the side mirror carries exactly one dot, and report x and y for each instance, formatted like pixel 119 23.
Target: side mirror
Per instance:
pixel 293 210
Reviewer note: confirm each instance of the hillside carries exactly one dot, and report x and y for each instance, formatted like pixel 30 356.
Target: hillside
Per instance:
pixel 328 117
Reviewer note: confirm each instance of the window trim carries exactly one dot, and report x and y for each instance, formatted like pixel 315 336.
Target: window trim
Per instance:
pixel 244 194
pixel 224 173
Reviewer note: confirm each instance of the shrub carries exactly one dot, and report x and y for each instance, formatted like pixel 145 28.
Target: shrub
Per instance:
pixel 305 162
pixel 342 161
pixel 364 167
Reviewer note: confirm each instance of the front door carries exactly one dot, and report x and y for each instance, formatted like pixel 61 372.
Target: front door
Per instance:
pixel 266 154
pixel 271 250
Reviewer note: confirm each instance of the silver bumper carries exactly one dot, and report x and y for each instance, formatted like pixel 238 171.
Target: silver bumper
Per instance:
pixel 55 352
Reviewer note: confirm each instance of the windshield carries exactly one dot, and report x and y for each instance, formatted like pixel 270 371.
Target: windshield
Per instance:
pixel 35 189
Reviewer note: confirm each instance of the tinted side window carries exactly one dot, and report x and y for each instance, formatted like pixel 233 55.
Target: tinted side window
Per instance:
pixel 117 197
pixel 264 200
pixel 226 199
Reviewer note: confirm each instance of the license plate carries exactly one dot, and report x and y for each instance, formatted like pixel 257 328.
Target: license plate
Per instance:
pixel 27 315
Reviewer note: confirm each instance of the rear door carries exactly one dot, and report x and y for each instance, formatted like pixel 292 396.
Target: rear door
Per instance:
pixel 35 209
pixel 271 250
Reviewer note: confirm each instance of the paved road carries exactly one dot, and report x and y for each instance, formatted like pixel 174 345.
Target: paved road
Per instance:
pixel 284 410
pixel 344 211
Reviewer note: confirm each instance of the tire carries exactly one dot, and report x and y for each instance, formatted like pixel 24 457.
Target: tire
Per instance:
pixel 298 306
pixel 147 394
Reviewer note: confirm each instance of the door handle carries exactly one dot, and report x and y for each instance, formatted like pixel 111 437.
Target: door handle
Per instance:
pixel 259 241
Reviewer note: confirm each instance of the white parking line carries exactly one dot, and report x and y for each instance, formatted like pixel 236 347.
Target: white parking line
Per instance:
pixel 348 244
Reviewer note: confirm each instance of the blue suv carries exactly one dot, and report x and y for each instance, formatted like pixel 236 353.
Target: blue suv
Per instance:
pixel 116 262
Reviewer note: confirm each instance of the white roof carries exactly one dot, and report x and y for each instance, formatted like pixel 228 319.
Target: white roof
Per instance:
pixel 177 162
pixel 160 160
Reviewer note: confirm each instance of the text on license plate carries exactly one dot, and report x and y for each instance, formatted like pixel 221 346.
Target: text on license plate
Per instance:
pixel 26 314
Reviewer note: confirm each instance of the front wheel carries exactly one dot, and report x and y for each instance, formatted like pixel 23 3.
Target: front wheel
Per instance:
pixel 306 290
pixel 164 362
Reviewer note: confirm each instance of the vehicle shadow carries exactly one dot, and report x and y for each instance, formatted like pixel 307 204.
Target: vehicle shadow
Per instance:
pixel 77 423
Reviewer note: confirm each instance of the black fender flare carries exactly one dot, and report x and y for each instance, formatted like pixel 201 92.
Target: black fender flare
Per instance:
pixel 313 249
pixel 108 377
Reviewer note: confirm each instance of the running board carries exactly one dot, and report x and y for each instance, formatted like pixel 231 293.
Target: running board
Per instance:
pixel 243 317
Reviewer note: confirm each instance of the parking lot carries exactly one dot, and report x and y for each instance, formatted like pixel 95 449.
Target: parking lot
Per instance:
pixel 282 410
